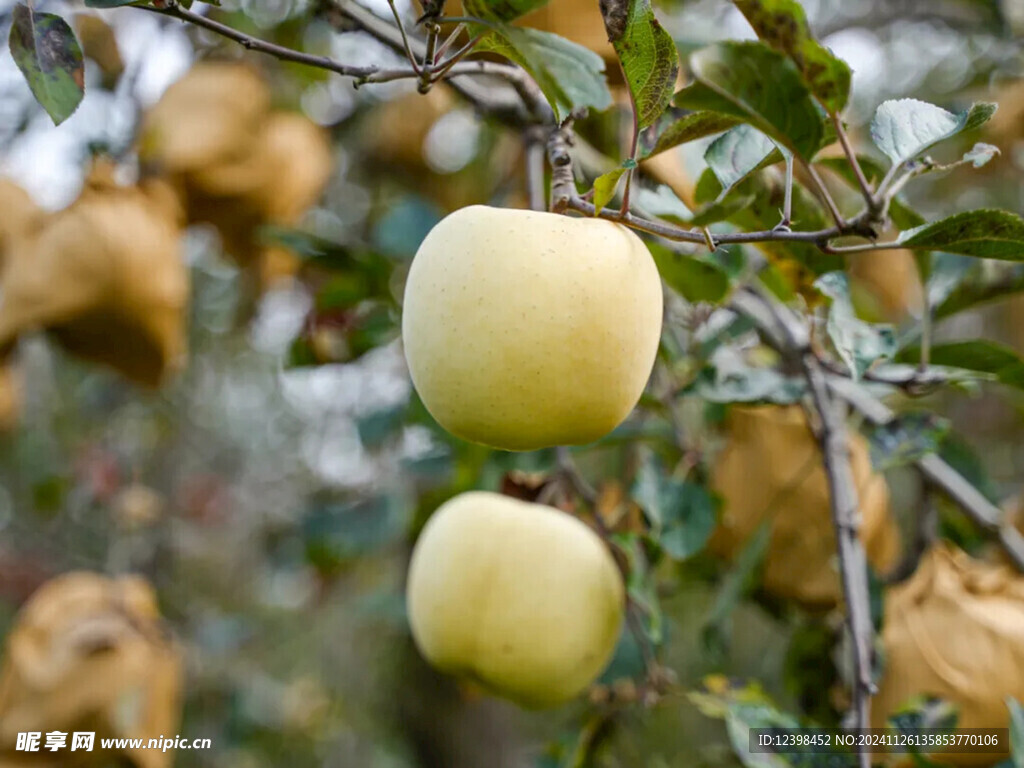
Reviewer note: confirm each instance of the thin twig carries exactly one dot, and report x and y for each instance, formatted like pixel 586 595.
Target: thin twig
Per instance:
pixel 926 330
pixel 429 58
pixel 825 195
pixel 862 181
pixel 883 185
pixel 277 51
pixel 634 143
pixel 405 39
pixel 450 40
pixel 454 59
pixel 787 202
pixel 363 74
pixel 672 232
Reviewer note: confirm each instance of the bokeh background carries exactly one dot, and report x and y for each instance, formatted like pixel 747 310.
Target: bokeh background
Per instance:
pixel 271 490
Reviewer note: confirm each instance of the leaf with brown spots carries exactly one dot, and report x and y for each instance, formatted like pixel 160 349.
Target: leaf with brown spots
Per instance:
pixel 501 10
pixel 650 60
pixel 782 24
pixel 48 55
pixel 986 233
pixel 760 86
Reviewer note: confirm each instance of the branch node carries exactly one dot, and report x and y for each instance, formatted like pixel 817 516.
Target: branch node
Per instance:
pixel 563 186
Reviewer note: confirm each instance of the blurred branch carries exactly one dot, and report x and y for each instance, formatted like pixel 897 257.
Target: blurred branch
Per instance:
pixel 939 474
pixel 522 102
pixel 795 345
pixel 534 140
pixel 519 102
pixel 956 14
pixel 362 74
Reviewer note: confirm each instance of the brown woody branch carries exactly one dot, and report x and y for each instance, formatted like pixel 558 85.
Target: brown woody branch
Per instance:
pixel 936 472
pixel 785 331
pixel 564 197
pixel 508 105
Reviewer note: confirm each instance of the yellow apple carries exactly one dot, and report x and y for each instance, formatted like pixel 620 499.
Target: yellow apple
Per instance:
pixel 524 329
pixel 522 598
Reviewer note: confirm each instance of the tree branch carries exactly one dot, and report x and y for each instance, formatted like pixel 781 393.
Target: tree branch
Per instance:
pixel 363 74
pixel 534 141
pixel 986 515
pixel 825 196
pixel 865 188
pixel 794 344
pixel 524 104
pixel 853 568
pixel 564 197
pixel 941 475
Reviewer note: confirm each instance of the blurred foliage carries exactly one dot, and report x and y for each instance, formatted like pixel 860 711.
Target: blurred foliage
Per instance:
pixel 286 471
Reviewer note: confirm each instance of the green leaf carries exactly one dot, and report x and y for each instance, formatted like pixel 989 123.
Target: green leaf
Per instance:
pixel 570 76
pixel 693 277
pixel 904 128
pixel 736 154
pixel 605 186
pixel 721 210
pixel 976 355
pixel 691 127
pixel 859 344
pixel 682 513
pixel 783 25
pixel 903 216
pixel 906 439
pixel 760 86
pixel 1016 731
pixel 763 196
pixel 648 55
pixel 661 202
pixel 501 10
pixel 335 531
pixel 985 233
pixel 109 3
pixel 48 55
pixel 641 585
pixel 690 521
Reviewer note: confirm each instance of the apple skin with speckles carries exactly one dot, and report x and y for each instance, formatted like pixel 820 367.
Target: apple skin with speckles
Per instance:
pixel 525 329
pixel 522 598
